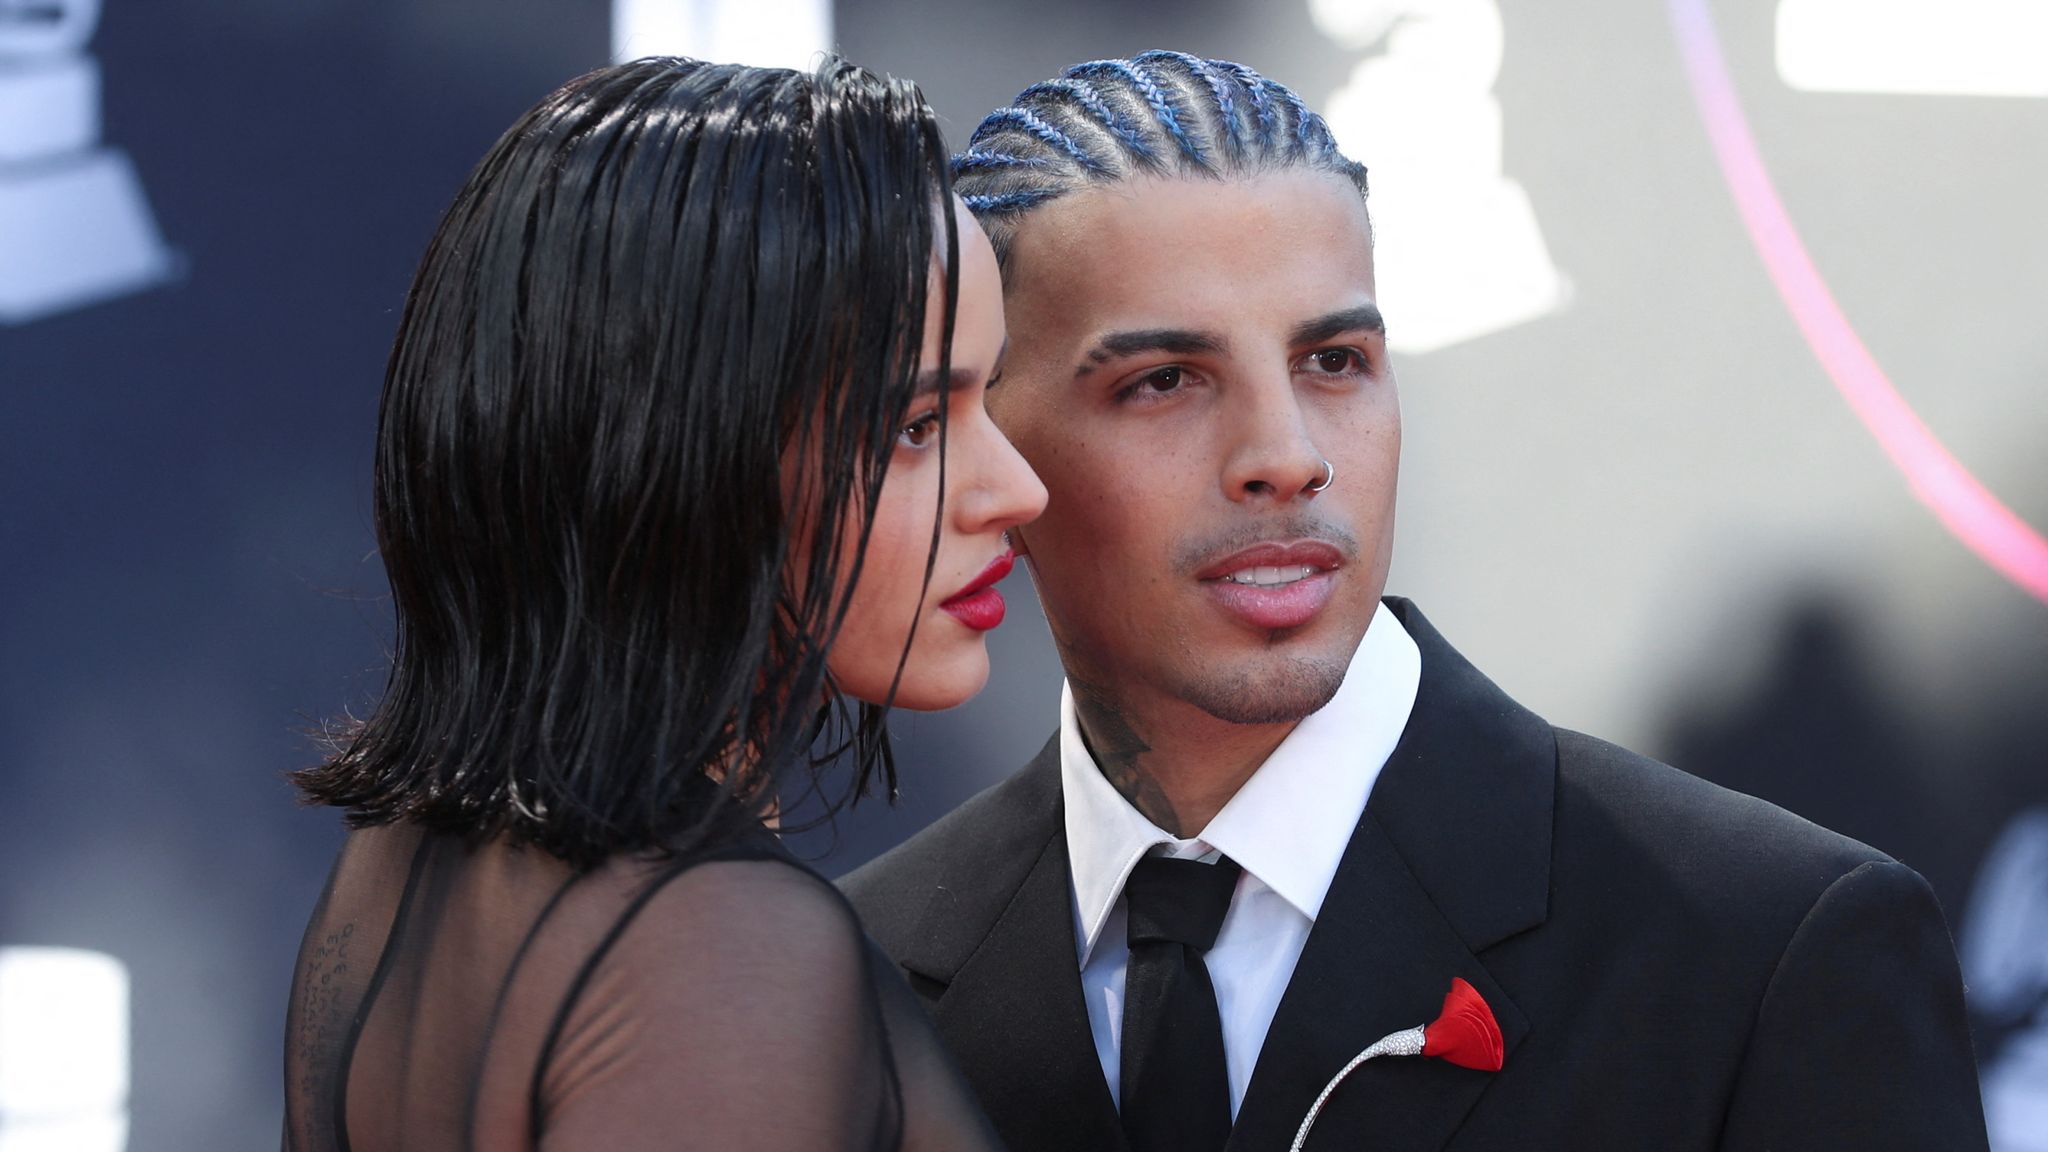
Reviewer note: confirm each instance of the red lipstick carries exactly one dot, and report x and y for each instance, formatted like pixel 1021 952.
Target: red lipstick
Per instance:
pixel 979 605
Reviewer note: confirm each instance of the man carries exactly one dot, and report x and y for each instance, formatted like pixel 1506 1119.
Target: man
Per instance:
pixel 1281 816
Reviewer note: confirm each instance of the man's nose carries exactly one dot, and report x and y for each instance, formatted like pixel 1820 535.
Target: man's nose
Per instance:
pixel 1271 454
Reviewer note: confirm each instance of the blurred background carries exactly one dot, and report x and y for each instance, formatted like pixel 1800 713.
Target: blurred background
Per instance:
pixel 1720 341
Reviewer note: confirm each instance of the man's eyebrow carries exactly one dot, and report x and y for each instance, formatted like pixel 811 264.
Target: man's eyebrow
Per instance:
pixel 1364 318
pixel 1174 341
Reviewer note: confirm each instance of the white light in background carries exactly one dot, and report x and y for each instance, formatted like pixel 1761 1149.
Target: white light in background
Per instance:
pixel 1915 47
pixel 1457 251
pixel 766 33
pixel 75 227
pixel 63 1051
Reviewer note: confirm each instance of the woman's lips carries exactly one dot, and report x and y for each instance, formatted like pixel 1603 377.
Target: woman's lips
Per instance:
pixel 981 611
pixel 979 605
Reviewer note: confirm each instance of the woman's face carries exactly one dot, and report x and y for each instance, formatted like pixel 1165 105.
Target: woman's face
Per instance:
pixel 988 490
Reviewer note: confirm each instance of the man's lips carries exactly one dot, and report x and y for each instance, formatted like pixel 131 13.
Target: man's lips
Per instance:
pixel 979 605
pixel 1275 554
pixel 1274 586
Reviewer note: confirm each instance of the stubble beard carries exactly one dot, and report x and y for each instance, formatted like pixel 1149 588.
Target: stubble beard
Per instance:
pixel 1282 692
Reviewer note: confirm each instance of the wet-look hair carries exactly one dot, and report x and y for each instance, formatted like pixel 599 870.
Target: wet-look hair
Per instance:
pixel 672 291
pixel 1158 113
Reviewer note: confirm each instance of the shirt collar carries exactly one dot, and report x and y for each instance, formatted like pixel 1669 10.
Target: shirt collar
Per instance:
pixel 1288 825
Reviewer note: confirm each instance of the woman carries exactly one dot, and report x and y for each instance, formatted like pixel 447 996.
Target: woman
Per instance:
pixel 682 449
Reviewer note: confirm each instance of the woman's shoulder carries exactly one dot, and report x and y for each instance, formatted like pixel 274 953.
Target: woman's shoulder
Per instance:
pixel 743 928
pixel 735 992
pixel 746 899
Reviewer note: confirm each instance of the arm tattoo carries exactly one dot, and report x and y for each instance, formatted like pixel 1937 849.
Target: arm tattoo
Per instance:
pixel 1118 748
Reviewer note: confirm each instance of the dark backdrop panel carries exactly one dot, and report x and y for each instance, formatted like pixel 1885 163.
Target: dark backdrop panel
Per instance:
pixel 189 581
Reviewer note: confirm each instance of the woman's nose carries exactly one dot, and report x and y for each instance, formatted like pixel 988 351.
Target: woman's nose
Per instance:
pixel 1002 490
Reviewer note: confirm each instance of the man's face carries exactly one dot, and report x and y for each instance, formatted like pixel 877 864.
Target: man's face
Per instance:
pixel 1185 354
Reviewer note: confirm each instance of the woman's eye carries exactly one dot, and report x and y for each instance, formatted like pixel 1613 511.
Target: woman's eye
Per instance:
pixel 1337 361
pixel 920 432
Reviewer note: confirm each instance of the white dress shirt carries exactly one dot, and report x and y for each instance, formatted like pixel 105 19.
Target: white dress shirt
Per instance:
pixel 1287 827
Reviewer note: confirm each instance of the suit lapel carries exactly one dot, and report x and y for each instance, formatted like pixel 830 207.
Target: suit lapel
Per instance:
pixel 1002 944
pixel 1379 959
pixel 1451 857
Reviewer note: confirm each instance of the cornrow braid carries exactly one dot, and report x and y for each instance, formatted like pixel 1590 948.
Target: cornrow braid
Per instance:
pixel 1304 120
pixel 1162 104
pixel 1226 106
pixel 1163 113
pixel 1082 93
pixel 1146 89
pixel 1007 202
pixel 977 161
pixel 1028 121
pixel 1255 87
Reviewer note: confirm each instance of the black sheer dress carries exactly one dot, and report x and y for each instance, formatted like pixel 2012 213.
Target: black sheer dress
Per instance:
pixel 450 997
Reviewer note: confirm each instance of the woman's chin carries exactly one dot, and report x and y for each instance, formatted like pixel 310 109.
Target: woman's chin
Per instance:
pixel 942 672
pixel 933 688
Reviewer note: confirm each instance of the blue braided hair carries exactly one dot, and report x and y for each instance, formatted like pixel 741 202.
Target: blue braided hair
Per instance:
pixel 1304 120
pixel 1159 113
pixel 1000 203
pixel 978 161
pixel 1226 102
pixel 1023 118
pixel 1155 98
pixel 1254 86
pixel 1081 92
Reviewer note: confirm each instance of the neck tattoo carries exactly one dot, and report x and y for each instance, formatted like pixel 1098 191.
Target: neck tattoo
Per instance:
pixel 1119 752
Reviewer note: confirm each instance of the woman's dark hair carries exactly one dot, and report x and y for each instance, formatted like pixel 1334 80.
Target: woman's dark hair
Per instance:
pixel 1158 113
pixel 666 286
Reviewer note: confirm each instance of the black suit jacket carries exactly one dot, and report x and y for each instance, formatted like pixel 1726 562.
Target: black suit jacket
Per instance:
pixel 1674 966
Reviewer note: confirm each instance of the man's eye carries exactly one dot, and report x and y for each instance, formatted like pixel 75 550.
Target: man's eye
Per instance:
pixel 1165 380
pixel 1158 382
pixel 1338 361
pixel 920 432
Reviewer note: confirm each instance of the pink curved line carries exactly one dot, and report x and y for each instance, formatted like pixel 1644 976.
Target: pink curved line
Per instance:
pixel 1964 506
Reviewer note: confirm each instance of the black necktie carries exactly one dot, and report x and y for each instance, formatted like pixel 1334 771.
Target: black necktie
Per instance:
pixel 1174 1094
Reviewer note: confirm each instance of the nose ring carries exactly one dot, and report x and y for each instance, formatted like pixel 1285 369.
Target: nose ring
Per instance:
pixel 1329 477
